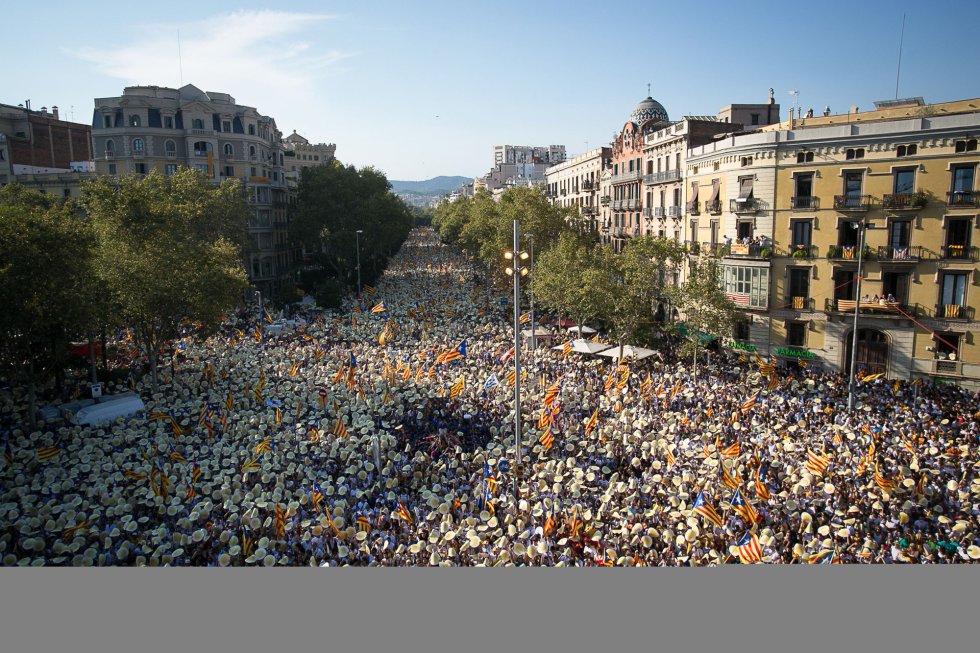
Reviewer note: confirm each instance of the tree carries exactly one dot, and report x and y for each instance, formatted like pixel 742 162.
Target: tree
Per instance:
pixel 47 283
pixel 706 308
pixel 573 279
pixel 168 249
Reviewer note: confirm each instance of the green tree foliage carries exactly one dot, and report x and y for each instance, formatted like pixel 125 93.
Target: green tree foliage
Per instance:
pixel 335 201
pixel 168 249
pixel 706 308
pixel 47 284
pixel 573 278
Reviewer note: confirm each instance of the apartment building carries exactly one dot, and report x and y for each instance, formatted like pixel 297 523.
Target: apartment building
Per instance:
pixel 576 182
pixel 300 154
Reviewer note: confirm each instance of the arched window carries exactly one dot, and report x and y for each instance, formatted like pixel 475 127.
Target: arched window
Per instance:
pixel 197 124
pixel 229 150
pixel 171 148
pixel 251 151
pixel 201 148
pixel 137 146
pixel 134 120
pixel 110 147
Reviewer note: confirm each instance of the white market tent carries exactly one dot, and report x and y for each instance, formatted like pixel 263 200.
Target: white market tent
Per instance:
pixel 580 330
pixel 585 347
pixel 111 407
pixel 629 351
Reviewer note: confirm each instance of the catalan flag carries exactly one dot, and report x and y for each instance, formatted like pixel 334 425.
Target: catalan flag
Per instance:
pixel 379 308
pixel 767 369
pixel 190 492
pixel 339 428
pixel 257 334
pixel 728 480
pixel 404 514
pixel 266 316
pixel 453 354
pixel 229 401
pixel 175 455
pixel 575 525
pixel 706 510
pixel 773 383
pixel 749 549
pixel 157 415
pixel 364 524
pixel 862 465
pixel 47 453
pixel 761 490
pixel 549 525
pixel 734 450
pixel 872 377
pixel 265 445
pixel 646 386
pixel 278 415
pixel 566 349
pixel 593 421
pixel 677 388
pixel 547 439
pixel 248 543
pixel 526 318
pixel 920 485
pixel 369 290
pixel 551 394
pixel 886 484
pixel 294 369
pixel 750 402
pixel 511 376
pixel 314 433
pixel 339 376
pixel 280 522
pixel 69 533
pixel 457 388
pixel 817 464
pixel 670 457
pixel 825 557
pixel 744 508
pixel 251 465
pixel 545 419
pixel 610 381
pixel 195 472
pixel 316 497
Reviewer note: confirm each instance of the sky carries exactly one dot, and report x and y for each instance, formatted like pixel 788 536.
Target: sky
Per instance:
pixel 426 88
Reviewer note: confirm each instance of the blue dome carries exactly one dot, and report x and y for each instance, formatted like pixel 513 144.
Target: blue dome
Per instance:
pixel 649 109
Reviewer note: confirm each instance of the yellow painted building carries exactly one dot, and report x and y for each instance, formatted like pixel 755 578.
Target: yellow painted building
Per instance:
pixel 902 180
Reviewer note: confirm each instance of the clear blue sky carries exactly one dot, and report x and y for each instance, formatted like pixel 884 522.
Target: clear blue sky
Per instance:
pixel 420 89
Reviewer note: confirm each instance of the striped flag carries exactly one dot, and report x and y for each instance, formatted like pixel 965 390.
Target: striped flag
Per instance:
pixel 817 464
pixel 457 388
pixel 749 549
pixel 744 508
pixel 190 492
pixel 920 485
pixel 176 455
pixel 251 465
pixel 646 385
pixel 734 450
pixel 229 401
pixel 316 497
pixel 280 522
pixel 677 388
pixel 369 290
pixel 257 334
pixel 728 480
pixel 549 525
pixel 706 510
pixel 761 490
pixel 248 543
pixel 294 369
pixel 545 419
pixel 314 434
pixel 575 525
pixel 339 429
pixel 552 393
pixel 593 421
pixel 670 457
pixel 526 318
pixel 195 472
pixel 886 484
pixel 491 382
pixel 566 349
pixel 364 524
pixel 510 377
pixel 547 439
pixel 862 465
pixel 265 445
pixel 750 402
pixel 872 377
pixel 69 533
pixel 47 453
pixel 379 308
pixel 454 354
pixel 404 514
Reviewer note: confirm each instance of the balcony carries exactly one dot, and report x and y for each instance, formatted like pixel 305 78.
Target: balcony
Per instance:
pixel 802 251
pixel 746 205
pixel 589 186
pixel 631 204
pixel 879 307
pixel 201 132
pixel 625 177
pixel 110 155
pixel 590 211
pixel 170 154
pixel 903 201
pixel 616 205
pixel 798 303
pixel 713 249
pixel 658 211
pixel 736 250
pixel 962 199
pixel 852 202
pixel 604 200
pixel 907 254
pixel 806 203
pixel 694 208
pixel 959 253
pixel 662 177
pixel 674 211
pixel 563 191
pixel 954 312
pixel 713 208
pixel 847 253
pixel 647 212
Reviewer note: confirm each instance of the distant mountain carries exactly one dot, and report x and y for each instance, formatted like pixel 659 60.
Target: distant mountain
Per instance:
pixel 435 186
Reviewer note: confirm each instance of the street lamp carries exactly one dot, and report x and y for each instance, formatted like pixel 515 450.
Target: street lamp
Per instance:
pixel 357 236
pixel 514 269
pixel 862 227
pixel 534 328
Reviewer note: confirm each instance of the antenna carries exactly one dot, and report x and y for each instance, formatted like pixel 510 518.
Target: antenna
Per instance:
pixel 180 59
pixel 796 100
pixel 901 42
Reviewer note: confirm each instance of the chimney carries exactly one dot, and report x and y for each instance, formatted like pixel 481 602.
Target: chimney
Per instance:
pixel 54 112
pixel 826 111
pixel 792 122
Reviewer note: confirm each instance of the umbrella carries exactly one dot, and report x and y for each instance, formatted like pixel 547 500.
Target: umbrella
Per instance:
pixel 628 350
pixel 585 346
pixel 581 330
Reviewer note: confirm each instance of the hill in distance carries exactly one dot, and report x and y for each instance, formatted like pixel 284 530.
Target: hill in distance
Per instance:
pixel 436 186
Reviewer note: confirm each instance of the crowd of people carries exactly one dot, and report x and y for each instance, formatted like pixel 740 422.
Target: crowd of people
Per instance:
pixel 381 434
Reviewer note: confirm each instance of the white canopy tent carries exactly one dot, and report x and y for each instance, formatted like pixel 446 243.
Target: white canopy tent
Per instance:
pixel 629 351
pixel 585 347
pixel 539 333
pixel 581 330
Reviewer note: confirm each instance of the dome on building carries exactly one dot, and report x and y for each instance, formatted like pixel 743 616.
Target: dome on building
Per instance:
pixel 649 109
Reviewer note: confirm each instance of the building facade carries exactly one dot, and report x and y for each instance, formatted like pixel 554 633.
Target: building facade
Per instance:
pixel 902 180
pixel 156 129
pixel 300 154
pixel 576 182
pixel 520 165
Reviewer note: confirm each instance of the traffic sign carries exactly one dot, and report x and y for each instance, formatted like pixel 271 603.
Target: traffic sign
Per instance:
pixel 503 466
pixel 96 390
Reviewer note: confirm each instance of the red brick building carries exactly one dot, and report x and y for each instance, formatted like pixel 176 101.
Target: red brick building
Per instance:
pixel 40 142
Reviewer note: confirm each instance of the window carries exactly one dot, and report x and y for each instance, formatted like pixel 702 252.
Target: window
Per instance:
pixel 740 330
pixel 252 171
pixel 963 179
pixel 907 150
pixel 201 167
pixel 615 168
pixel 229 171
pixel 201 148
pixel 137 146
pixel 946 344
pixel 715 166
pixel 170 148
pixel 134 120
pixel 744 230
pixel 796 334
pixel 802 233
pixel 899 234
pixel 746 161
pixel 226 126
pixel 110 147
pixel 229 150
pixel 852 187
pixel 958 232
pixel 799 282
pixel 847 234
pixel 316 157
pixel 804 157
pixel 168 122
pixel 197 123
pixel 854 153
pixel 754 118
pixel 251 130
pixel 895 284
pixel 112 168
pixel 750 281
pixel 904 181
pixel 107 121
pixel 169 169
pixel 804 191
pixel 953 289
pixel 844 284
pixel 631 164
pixel 139 168
pixel 677 161
pixel 966 145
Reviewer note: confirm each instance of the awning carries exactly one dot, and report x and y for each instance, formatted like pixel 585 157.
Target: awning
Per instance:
pixel 582 330
pixel 694 192
pixel 584 347
pixel 715 191
pixel 629 351
pixel 745 188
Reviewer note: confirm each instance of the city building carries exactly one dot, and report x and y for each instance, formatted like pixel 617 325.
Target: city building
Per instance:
pixel 154 128
pixel 299 154
pixel 41 151
pixel 901 179
pixel 520 165
pixel 576 182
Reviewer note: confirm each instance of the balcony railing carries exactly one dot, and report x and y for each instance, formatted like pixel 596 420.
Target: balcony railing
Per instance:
pixel 798 303
pixel 962 199
pixel 847 252
pixel 802 251
pixel 604 200
pixel 626 176
pixel 909 253
pixel 589 210
pixel 589 186
pixel 202 132
pixel 880 306
pixel 674 212
pixel 110 154
pixel 954 312
pixel 903 201
pixel 694 208
pixel 737 250
pixel 662 177
pixel 806 203
pixel 658 211
pixel 713 208
pixel 170 154
pixel 647 212
pixel 959 252
pixel 852 202
pixel 747 205
pixel 714 249
pixel 631 204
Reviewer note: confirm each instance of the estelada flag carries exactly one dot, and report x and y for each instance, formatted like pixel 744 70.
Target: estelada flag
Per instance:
pixel 749 549
pixel 380 308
